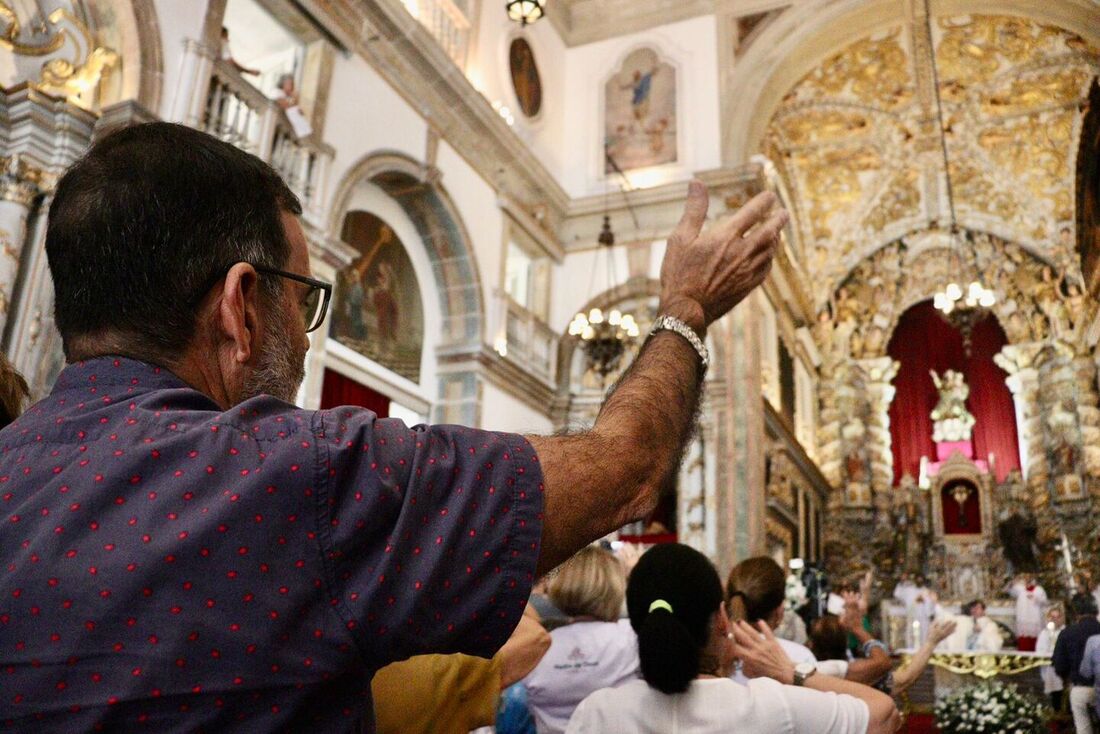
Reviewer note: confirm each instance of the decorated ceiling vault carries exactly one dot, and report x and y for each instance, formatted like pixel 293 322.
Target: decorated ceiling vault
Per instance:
pixel 857 143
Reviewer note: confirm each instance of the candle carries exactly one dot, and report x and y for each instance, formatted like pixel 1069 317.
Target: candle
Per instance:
pixel 1050 627
pixel 916 634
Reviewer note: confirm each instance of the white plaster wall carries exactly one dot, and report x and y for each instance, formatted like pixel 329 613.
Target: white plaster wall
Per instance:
pixel 365 115
pixel 501 412
pixel 691 46
pixel 584 275
pixel 178 20
pixel 488 70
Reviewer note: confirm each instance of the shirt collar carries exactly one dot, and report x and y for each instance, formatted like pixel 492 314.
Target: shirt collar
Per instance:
pixel 113 370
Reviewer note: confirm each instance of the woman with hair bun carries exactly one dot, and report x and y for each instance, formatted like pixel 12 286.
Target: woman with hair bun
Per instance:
pixel 686 646
pixel 756 591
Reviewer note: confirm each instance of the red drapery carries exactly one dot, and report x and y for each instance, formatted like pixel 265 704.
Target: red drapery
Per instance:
pixel 923 341
pixel 339 390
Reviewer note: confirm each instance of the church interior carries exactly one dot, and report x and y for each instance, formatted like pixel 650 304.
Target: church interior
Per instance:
pixel 913 392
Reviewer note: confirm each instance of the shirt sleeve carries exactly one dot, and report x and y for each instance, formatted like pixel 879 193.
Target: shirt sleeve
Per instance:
pixel 820 712
pixel 431 534
pixel 1086 669
pixel 1060 658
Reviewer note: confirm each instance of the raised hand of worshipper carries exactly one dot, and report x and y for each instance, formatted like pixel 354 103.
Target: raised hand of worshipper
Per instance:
pixel 705 274
pixel 941 629
pixel 865 584
pixel 905 676
pixel 613 474
pixel 759 652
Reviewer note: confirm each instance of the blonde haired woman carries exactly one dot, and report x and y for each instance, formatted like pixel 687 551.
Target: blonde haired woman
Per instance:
pixel 595 650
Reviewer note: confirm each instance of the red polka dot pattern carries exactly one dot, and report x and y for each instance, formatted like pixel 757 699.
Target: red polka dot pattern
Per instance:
pixel 165 566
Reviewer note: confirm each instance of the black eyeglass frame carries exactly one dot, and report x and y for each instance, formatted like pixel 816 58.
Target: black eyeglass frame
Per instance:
pixel 314 284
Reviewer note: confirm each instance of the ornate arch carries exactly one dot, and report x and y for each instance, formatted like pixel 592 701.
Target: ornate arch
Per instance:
pixel 416 188
pixel 137 20
pixel 1034 300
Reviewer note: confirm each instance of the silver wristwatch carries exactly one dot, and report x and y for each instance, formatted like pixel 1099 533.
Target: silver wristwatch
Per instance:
pixel 671 323
pixel 802 672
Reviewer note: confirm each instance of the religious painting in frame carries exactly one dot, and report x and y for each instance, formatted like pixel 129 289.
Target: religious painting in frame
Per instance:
pixel 526 82
pixel 640 120
pixel 378 311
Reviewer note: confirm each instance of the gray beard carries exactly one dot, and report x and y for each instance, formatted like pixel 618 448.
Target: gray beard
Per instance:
pixel 280 370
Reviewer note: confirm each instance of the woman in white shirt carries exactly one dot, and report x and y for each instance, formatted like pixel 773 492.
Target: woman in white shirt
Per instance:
pixel 595 650
pixel 756 591
pixel 686 645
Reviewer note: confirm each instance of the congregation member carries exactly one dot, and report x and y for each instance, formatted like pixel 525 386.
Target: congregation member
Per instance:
pixel 454 694
pixel 755 592
pixel 1068 660
pixel 904 677
pixel 13 392
pixel 1053 685
pixel 1090 668
pixel 687 645
pixel 187 550
pixel 829 644
pixel 595 650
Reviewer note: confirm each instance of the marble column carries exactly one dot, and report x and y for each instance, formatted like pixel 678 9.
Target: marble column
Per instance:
pixel 19 186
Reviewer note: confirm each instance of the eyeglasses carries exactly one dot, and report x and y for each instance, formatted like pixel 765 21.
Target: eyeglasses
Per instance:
pixel 315 304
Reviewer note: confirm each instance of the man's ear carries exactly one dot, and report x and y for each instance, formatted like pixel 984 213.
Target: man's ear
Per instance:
pixel 238 310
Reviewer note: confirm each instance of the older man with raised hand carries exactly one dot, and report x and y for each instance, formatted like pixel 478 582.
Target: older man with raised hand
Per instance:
pixel 183 549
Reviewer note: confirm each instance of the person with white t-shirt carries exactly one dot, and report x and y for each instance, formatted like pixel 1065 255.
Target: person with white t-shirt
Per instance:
pixel 596 650
pixel 756 591
pixel 686 646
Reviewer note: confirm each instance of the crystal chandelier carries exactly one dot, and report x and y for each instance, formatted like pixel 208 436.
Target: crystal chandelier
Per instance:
pixel 962 309
pixel 604 337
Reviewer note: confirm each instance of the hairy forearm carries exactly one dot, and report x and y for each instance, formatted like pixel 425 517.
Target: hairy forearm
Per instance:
pixel 598 481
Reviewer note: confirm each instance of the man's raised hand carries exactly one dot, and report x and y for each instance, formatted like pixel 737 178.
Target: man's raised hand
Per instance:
pixel 705 274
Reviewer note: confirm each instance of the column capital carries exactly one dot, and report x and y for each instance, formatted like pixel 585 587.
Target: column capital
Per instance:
pixel 20 181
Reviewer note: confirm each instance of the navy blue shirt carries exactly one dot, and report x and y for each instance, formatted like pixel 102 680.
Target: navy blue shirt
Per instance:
pixel 1070 650
pixel 167 566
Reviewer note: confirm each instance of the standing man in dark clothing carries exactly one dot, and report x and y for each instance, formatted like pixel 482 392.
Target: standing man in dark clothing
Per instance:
pixel 183 549
pixel 1068 653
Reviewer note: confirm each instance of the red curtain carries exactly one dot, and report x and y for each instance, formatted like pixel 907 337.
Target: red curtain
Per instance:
pixel 923 341
pixel 339 390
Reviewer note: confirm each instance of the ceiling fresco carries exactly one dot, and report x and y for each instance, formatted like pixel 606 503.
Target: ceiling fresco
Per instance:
pixel 857 140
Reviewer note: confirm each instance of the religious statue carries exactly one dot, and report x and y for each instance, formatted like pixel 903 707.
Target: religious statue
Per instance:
pixel 910 524
pixel 951 419
pixel 1017 532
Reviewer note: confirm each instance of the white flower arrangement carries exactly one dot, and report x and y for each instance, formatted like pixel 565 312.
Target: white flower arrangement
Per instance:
pixel 990 708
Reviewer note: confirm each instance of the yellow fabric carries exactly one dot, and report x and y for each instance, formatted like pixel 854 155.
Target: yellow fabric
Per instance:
pixel 436 694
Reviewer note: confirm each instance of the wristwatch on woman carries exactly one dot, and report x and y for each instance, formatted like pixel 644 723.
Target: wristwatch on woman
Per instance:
pixel 802 672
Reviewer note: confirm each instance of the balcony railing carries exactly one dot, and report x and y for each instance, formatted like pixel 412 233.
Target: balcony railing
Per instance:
pixel 447 23
pixel 530 343
pixel 238 113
